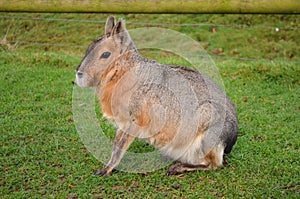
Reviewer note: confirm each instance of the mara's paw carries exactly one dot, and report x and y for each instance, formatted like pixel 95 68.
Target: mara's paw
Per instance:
pixel 175 169
pixel 104 172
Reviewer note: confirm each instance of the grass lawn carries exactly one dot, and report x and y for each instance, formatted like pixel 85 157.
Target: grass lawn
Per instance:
pixel 43 156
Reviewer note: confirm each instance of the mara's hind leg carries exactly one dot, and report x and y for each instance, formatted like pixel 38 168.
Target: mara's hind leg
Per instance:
pixel 213 159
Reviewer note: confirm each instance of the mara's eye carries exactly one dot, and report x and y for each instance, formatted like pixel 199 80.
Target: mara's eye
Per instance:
pixel 105 55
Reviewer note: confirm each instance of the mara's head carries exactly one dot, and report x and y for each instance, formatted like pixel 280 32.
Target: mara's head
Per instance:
pixel 102 52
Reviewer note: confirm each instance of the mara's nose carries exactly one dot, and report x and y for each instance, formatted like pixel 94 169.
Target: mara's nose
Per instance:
pixel 79 74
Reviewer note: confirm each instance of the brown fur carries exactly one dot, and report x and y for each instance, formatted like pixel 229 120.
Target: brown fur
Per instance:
pixel 212 159
pixel 143 119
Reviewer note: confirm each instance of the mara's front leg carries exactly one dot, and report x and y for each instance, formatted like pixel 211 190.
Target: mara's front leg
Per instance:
pixel 121 144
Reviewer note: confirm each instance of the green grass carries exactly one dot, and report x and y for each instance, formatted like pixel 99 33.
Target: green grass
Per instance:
pixel 43 156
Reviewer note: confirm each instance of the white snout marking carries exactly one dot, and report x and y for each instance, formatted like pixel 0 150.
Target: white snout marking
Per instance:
pixel 81 79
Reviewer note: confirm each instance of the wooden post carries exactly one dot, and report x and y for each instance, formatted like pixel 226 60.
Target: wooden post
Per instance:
pixel 152 6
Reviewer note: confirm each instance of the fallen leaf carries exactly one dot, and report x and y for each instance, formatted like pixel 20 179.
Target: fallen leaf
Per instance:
pixel 176 186
pixel 72 195
pixel 214 30
pixel 217 51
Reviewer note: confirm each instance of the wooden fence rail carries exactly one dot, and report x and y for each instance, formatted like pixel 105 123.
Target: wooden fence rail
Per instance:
pixel 152 6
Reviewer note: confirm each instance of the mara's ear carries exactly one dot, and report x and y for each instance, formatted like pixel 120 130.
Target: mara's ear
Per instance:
pixel 110 23
pixel 119 27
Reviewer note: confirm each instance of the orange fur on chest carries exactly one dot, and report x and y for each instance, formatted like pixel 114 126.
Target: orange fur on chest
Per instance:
pixel 110 79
